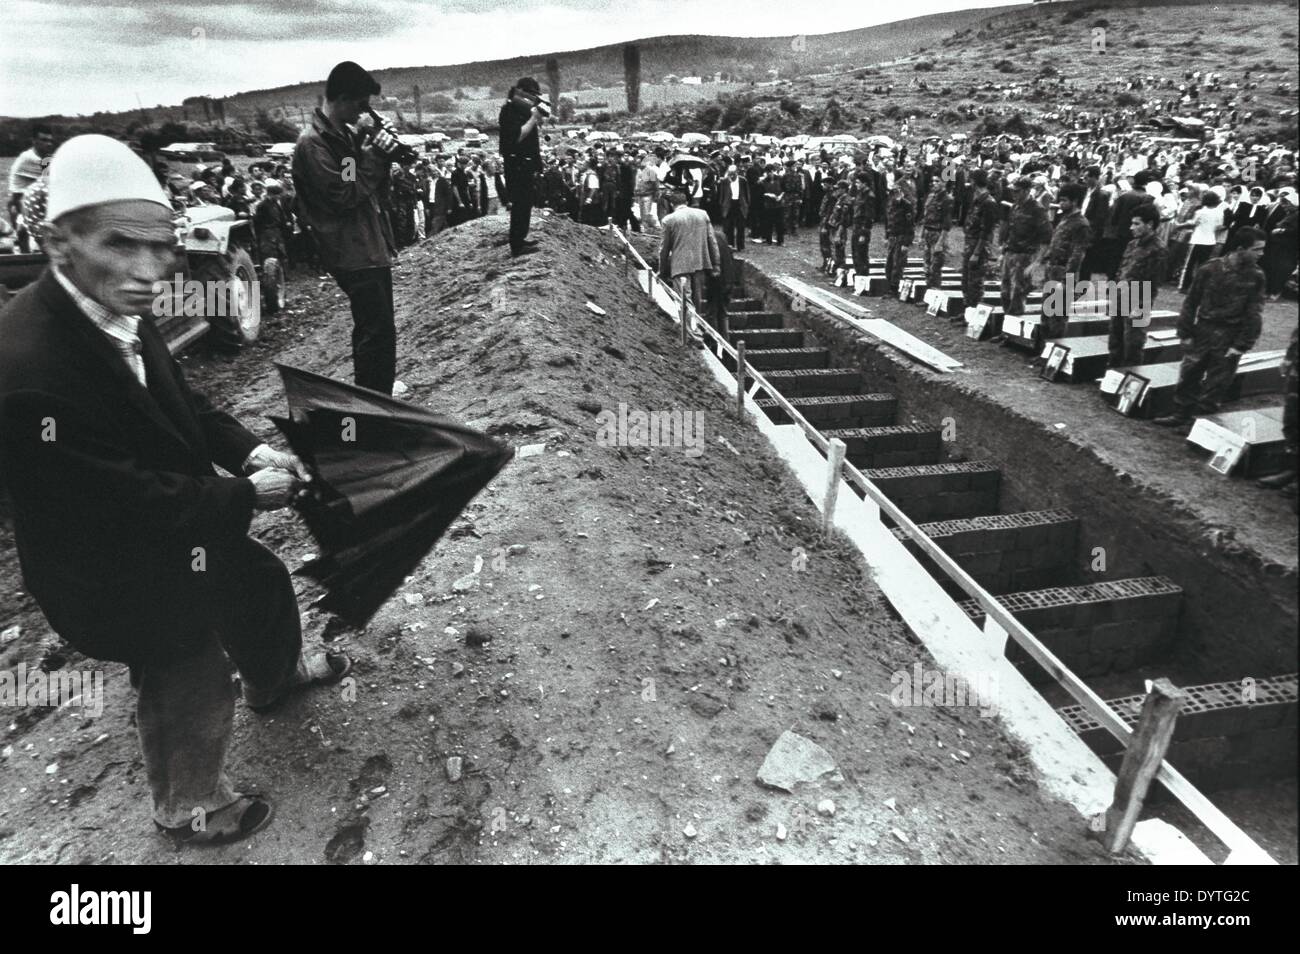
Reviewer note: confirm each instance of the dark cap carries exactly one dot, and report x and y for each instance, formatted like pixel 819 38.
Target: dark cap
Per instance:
pixel 349 79
pixel 529 85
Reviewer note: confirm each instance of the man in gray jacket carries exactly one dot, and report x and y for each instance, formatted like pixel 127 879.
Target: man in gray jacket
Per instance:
pixel 341 176
pixel 689 249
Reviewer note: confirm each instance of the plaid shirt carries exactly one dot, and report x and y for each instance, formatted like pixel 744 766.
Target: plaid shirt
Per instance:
pixel 122 330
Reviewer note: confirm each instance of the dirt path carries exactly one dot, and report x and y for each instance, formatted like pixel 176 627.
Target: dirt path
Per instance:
pixel 646 623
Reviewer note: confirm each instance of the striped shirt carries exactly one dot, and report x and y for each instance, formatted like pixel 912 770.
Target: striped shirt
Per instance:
pixel 122 330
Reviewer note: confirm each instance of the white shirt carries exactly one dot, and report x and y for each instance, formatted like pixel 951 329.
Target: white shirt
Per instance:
pixel 1205 224
pixel 735 189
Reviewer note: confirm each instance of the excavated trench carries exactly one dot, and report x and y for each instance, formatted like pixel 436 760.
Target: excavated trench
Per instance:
pixel 1118 583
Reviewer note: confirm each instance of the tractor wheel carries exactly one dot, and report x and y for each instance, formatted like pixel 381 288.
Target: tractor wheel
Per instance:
pixel 273 282
pixel 239 313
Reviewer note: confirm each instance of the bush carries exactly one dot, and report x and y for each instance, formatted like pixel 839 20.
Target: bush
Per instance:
pixel 441 103
pixel 1127 99
pixel 1005 66
pixel 923 66
pixel 1009 45
pixel 791 106
pixel 1141 44
pixel 1102 24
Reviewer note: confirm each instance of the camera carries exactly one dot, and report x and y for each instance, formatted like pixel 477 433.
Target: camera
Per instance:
pixel 538 102
pixel 400 153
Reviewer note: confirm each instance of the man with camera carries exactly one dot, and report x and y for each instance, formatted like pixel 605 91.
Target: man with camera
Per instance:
pixel 342 176
pixel 522 113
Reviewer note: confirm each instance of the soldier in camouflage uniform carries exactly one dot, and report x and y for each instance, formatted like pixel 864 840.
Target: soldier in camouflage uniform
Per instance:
pixel 834 215
pixel 979 227
pixel 1064 256
pixel 900 230
pixel 1221 320
pixel 1144 264
pixel 934 231
pixel 792 187
pixel 864 210
pixel 1027 231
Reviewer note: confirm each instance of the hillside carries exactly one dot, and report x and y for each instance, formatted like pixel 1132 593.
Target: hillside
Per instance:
pixel 990 68
pixel 943 71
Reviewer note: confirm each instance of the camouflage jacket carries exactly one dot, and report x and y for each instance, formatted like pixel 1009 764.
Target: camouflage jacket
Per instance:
pixel 938 211
pixel 834 211
pixel 1145 260
pixel 1227 296
pixel 1027 227
pixel 864 209
pixel 981 221
pixel 900 216
pixel 1070 240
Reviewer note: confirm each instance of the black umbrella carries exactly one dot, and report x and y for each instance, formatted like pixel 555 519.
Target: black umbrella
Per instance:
pixel 388 479
pixel 684 161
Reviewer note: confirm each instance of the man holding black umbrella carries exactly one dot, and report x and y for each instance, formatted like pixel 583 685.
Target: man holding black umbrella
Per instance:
pixel 134 547
pixel 521 152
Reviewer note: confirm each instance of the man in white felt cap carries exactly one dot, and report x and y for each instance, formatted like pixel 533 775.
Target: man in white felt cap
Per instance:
pixel 133 545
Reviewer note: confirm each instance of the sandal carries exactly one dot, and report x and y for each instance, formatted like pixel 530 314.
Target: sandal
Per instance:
pixel 246 817
pixel 324 669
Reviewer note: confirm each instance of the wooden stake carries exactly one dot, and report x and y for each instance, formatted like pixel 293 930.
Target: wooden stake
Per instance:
pixel 740 378
pixel 686 320
pixel 1146 750
pixel 835 463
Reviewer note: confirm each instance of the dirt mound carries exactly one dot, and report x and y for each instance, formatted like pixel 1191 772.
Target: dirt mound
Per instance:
pixel 596 660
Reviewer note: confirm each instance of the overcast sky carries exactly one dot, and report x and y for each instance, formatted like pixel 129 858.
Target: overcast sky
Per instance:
pixel 79 56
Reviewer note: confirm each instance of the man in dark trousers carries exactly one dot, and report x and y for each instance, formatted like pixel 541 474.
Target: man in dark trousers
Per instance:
pixel 1095 208
pixel 1120 230
pixel 1142 269
pixel 979 227
pixel 864 209
pixel 733 204
pixel 521 152
pixel 134 547
pixel 1221 320
pixel 341 177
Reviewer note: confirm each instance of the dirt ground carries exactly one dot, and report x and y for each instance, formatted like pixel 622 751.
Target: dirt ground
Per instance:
pixel 611 684
pixel 1228 512
pixel 1260 520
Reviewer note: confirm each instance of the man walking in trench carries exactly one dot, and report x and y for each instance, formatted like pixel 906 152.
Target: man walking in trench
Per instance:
pixel 341 172
pixel 134 547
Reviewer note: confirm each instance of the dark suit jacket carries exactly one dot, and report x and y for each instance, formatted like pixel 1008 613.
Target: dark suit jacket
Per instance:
pixel 725 200
pixel 441 202
pixel 112 484
pixel 1098 213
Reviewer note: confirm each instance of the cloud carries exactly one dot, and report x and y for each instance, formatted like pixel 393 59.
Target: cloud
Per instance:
pixel 80 56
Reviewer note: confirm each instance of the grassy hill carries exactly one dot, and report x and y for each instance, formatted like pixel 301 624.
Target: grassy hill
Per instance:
pixel 983 74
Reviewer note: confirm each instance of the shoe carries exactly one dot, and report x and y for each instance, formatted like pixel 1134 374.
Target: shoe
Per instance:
pixel 526 250
pixel 530 243
pixel 1291 490
pixel 1172 420
pixel 1277 481
pixel 246 817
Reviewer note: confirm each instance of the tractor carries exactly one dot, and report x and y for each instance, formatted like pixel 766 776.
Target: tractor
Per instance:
pixel 215 250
